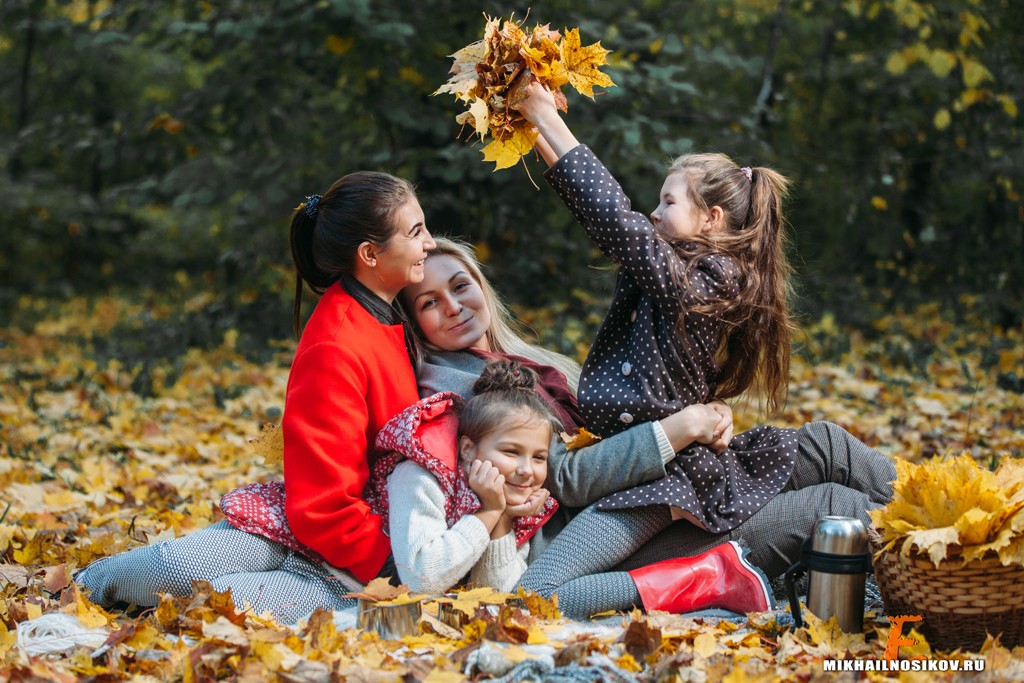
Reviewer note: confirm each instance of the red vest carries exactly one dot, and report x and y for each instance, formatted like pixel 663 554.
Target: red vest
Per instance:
pixel 426 433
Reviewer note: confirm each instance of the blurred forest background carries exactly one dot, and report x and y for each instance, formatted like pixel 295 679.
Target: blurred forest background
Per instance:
pixel 155 148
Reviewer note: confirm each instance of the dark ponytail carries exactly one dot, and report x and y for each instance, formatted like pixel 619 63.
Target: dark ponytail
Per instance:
pixel 326 231
pixel 505 391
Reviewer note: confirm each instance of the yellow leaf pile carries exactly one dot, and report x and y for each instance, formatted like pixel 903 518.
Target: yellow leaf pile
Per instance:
pixel 491 75
pixel 949 508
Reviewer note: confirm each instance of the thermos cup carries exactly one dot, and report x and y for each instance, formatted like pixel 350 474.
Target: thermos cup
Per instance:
pixel 837 560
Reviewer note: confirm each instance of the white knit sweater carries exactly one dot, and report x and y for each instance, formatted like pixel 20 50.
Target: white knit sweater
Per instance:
pixel 430 557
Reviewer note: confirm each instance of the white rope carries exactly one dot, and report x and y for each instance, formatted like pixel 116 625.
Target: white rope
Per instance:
pixel 57 632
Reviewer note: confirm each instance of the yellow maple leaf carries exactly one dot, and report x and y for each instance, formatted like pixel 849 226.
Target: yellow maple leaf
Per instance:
pixel 269 444
pixel 7 639
pixel 535 635
pixel 468 601
pixel 705 644
pixel 91 615
pixel 444 676
pixel 628 663
pixel 581 63
pixel 380 590
pixel 479 112
pixel 506 153
pixel 539 606
pixel 935 542
pixel 403 599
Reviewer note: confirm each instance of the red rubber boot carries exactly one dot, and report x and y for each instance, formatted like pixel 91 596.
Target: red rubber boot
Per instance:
pixel 720 578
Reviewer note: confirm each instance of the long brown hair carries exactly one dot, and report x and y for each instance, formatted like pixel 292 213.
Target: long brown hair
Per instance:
pixel 755 346
pixel 326 231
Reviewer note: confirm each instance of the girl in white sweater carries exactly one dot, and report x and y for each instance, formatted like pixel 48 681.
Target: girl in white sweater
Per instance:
pixel 460 488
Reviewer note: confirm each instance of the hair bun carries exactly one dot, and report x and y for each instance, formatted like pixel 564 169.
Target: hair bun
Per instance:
pixel 505 375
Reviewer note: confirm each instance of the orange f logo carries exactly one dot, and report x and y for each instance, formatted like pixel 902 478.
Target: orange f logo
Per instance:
pixel 896 639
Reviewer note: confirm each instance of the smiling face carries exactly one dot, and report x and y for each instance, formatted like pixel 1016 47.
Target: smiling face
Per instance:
pixel 519 452
pixel 401 261
pixel 677 218
pixel 449 306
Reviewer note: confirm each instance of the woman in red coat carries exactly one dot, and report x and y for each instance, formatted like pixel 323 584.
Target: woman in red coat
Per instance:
pixel 357 245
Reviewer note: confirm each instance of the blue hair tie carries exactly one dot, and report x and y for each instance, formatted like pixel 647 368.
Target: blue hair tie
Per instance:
pixel 312 205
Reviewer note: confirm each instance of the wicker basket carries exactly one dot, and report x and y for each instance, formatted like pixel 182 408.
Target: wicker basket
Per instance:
pixel 961 603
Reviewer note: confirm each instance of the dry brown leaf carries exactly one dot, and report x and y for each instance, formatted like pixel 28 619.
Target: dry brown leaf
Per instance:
pixel 640 639
pixel 581 439
pixel 381 590
pixel 269 444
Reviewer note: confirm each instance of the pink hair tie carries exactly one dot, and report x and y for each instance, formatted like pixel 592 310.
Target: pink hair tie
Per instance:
pixel 747 172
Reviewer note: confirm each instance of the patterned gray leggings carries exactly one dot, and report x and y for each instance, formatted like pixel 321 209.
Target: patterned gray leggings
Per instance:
pixel 260 573
pixel 834 474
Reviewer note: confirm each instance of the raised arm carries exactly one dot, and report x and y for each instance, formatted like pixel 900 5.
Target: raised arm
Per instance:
pixel 600 206
pixel 555 140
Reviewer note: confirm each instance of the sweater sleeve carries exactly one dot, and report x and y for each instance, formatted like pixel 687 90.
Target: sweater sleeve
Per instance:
pixel 325 460
pixel 501 565
pixel 600 206
pixel 629 458
pixel 431 558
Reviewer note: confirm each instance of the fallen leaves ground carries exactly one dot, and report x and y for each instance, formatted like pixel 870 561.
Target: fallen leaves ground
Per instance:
pixel 89 467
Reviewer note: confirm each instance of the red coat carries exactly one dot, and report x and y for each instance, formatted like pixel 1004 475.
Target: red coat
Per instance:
pixel 351 374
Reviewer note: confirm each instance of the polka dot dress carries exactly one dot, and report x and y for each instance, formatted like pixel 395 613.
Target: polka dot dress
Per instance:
pixel 642 368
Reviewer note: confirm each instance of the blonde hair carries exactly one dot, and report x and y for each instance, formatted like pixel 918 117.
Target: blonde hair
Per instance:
pixel 755 347
pixel 505 333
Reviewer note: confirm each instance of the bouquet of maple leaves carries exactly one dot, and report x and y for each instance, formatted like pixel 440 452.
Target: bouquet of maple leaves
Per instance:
pixel 491 76
pixel 953 508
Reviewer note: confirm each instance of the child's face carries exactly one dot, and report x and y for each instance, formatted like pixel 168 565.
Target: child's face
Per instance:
pixel 676 217
pixel 520 454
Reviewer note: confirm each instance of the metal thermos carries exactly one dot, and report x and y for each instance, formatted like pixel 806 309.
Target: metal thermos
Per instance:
pixel 837 560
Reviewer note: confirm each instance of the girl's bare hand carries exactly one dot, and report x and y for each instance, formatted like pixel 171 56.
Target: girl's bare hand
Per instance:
pixel 539 102
pixel 529 507
pixel 488 484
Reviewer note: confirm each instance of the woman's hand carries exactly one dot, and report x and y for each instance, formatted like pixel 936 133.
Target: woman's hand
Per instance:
pixel 697 423
pixel 489 486
pixel 529 507
pixel 725 425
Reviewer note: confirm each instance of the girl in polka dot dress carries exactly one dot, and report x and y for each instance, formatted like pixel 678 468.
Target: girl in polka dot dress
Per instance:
pixel 699 313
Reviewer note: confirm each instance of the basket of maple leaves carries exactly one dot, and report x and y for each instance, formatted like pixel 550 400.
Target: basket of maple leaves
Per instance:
pixel 950 548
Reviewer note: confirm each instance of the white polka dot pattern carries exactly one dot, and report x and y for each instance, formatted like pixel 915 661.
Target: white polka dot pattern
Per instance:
pixel 641 367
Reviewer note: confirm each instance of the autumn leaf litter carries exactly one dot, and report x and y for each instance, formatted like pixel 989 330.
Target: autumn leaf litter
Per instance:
pixel 91 468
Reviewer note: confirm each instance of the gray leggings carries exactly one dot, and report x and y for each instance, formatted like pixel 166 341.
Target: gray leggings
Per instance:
pixel 266 575
pixel 834 474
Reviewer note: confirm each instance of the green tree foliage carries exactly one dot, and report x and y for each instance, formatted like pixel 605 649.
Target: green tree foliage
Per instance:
pixel 148 142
